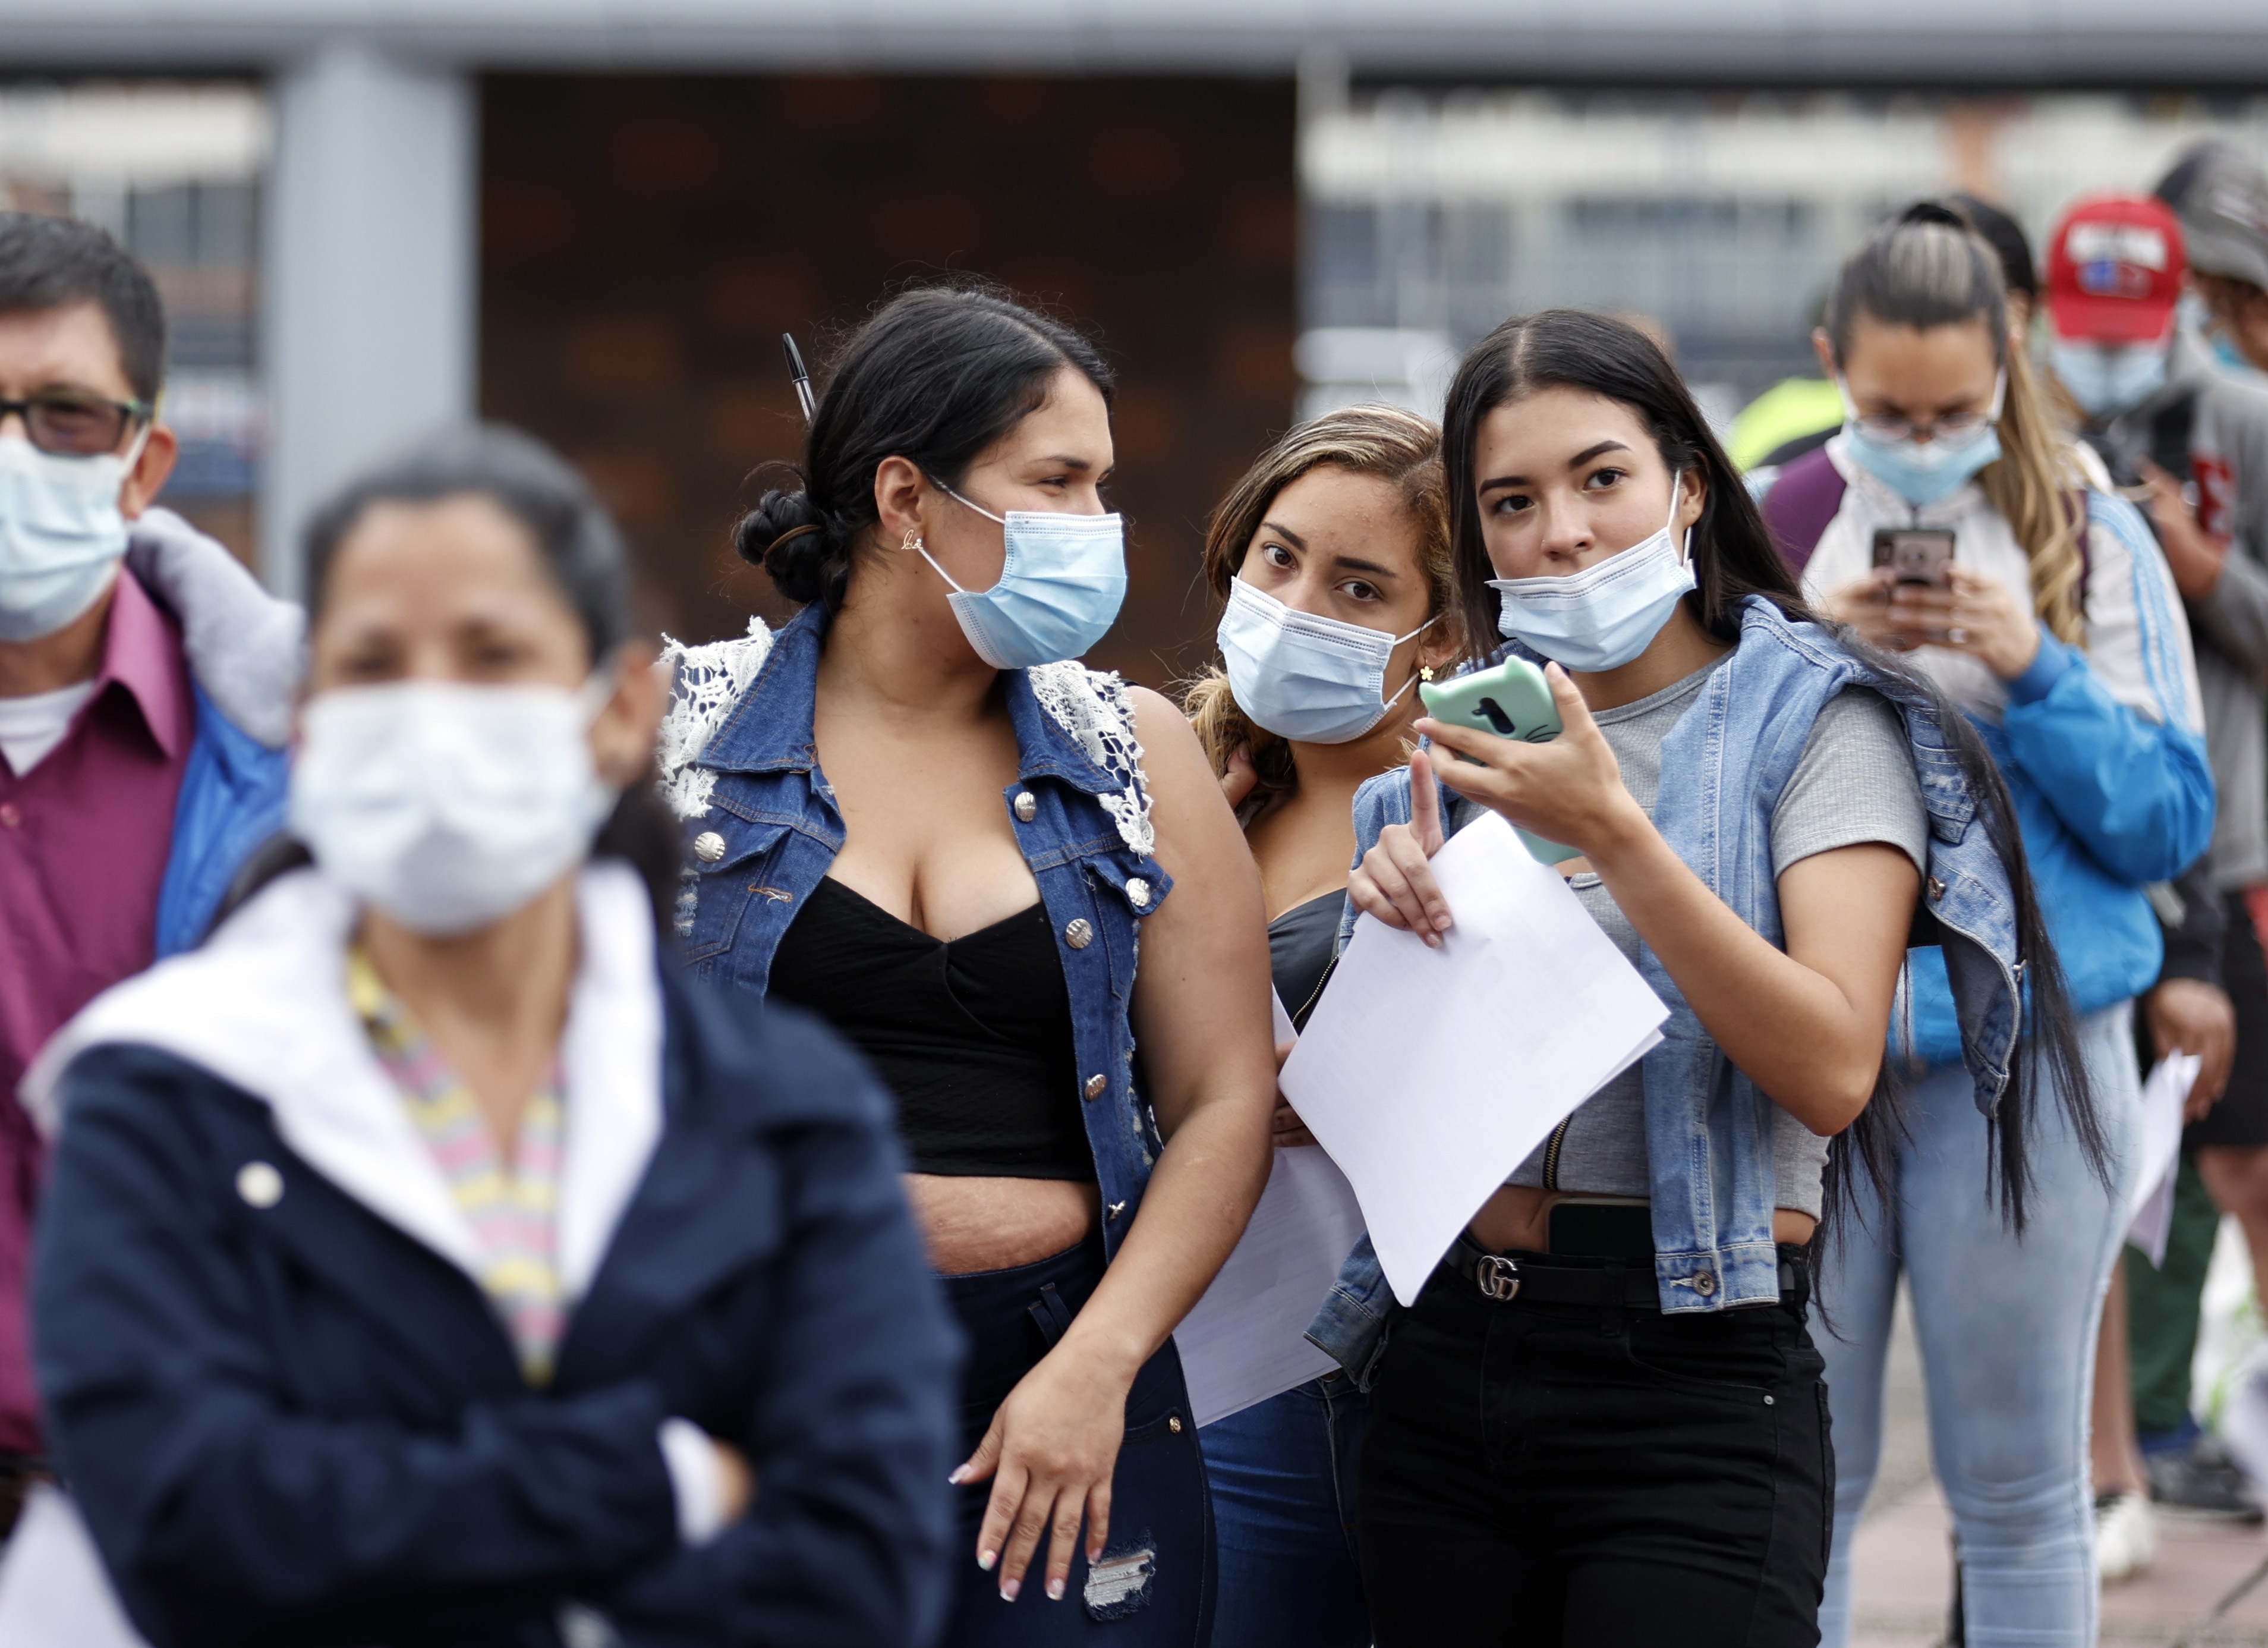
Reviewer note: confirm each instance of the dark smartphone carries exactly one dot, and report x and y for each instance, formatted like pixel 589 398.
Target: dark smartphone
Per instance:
pixel 1916 555
pixel 1602 1230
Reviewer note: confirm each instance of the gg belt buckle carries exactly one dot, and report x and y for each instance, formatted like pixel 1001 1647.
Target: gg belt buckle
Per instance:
pixel 1497 1277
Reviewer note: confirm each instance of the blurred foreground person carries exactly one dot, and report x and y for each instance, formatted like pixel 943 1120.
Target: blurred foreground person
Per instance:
pixel 2190 443
pixel 425 1259
pixel 1949 520
pixel 146 693
pixel 1333 556
pixel 914 812
pixel 1602 1422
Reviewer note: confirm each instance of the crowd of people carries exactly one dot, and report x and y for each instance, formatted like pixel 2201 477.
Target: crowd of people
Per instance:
pixel 519 1135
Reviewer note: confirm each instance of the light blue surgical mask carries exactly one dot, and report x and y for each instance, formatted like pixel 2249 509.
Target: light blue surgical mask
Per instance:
pixel 1062 580
pixel 1605 616
pixel 61 533
pixel 1923 471
pixel 2109 379
pixel 1299 675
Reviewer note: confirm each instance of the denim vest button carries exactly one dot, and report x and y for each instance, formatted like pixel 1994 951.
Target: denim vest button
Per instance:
pixel 1096 1086
pixel 1936 889
pixel 1137 892
pixel 1027 807
pixel 1079 934
pixel 1705 1284
pixel 708 846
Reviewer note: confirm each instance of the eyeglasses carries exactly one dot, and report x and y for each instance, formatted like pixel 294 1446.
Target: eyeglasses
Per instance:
pixel 68 425
pixel 1953 424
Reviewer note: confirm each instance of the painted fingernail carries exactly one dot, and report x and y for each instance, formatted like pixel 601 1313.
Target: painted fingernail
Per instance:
pixel 1054 1590
pixel 986 1559
pixel 1008 1589
pixel 959 1476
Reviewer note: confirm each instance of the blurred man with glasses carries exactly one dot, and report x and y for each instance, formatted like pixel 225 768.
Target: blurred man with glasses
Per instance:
pixel 145 686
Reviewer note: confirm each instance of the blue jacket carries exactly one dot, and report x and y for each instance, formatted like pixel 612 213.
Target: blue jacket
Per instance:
pixel 288 1421
pixel 762 829
pixel 243 648
pixel 233 796
pixel 1709 1130
pixel 2104 751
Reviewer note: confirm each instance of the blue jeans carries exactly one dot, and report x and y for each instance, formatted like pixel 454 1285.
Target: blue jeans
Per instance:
pixel 1157 1588
pixel 2008 1335
pixel 1283 1475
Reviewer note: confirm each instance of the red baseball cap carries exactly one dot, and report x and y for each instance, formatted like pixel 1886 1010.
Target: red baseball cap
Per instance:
pixel 2115 266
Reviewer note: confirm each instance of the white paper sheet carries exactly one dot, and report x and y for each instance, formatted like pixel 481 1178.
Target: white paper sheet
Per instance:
pixel 2150 1208
pixel 1429 1074
pixel 1246 1340
pixel 54 1591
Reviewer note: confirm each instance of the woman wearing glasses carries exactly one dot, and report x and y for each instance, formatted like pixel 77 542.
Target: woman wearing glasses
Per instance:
pixel 2055 626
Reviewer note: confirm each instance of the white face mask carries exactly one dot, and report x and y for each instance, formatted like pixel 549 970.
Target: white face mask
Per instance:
pixel 1607 615
pixel 61 533
pixel 449 806
pixel 1302 676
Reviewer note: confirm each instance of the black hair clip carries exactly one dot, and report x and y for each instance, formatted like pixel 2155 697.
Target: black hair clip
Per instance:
pixel 801 378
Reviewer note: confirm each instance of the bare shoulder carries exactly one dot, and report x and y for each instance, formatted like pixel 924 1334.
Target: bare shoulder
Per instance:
pixel 1171 758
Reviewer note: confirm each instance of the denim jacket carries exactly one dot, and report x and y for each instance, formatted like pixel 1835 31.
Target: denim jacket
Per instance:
pixel 1709 1130
pixel 741 768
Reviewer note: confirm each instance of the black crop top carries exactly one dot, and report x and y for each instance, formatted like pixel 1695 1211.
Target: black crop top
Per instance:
pixel 1301 947
pixel 973 1035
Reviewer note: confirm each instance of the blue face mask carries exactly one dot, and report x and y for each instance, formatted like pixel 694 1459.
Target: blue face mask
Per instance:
pixel 1316 680
pixel 1061 583
pixel 2107 378
pixel 1923 471
pixel 1603 617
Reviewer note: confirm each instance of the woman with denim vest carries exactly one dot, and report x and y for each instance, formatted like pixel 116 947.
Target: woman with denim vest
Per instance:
pixel 1603 1422
pixel 1332 554
pixel 2057 630
pixel 914 812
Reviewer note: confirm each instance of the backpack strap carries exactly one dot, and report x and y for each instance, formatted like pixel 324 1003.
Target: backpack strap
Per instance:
pixel 1800 504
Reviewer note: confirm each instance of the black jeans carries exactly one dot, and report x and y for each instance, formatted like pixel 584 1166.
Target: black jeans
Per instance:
pixel 1579 1474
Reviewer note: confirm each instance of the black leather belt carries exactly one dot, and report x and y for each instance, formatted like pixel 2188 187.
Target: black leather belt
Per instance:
pixel 1501 1278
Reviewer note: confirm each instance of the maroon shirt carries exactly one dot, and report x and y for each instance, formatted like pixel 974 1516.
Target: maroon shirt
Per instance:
pixel 85 837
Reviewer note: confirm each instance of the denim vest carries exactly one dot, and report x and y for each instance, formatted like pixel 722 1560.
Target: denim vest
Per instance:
pixel 740 769
pixel 1708 1129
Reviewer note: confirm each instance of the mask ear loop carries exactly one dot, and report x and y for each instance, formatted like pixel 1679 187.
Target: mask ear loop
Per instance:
pixel 913 541
pixel 1424 672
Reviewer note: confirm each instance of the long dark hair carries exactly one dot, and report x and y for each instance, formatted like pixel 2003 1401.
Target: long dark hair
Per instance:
pixel 1735 558
pixel 579 547
pixel 936 376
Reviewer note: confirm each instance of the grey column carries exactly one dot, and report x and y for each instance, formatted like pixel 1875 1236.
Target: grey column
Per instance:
pixel 368 274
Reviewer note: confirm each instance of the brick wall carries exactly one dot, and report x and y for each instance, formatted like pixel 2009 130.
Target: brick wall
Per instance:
pixel 645 241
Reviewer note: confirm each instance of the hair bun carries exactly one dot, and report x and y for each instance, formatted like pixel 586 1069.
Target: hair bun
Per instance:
pixel 789 536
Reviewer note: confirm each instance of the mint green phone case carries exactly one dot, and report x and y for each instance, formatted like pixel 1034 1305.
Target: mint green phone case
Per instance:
pixel 1512 701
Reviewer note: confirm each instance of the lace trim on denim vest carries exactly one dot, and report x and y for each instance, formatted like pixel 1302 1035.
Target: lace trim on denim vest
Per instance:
pixel 1092 707
pixel 709 681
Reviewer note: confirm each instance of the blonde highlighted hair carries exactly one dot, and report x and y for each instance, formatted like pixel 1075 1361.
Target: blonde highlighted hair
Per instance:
pixel 1398 448
pixel 1928 267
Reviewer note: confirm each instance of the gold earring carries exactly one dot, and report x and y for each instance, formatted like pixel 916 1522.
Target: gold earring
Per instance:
pixel 1425 672
pixel 912 542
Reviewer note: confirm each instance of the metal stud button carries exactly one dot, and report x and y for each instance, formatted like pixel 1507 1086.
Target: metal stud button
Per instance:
pixel 708 846
pixel 1705 1284
pixel 1173 1424
pixel 1096 1086
pixel 260 1184
pixel 1137 892
pixel 1936 889
pixel 1117 1207
pixel 1027 807
pixel 1079 934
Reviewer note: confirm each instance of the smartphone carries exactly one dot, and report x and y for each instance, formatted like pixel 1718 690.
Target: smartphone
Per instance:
pixel 1916 555
pixel 1513 700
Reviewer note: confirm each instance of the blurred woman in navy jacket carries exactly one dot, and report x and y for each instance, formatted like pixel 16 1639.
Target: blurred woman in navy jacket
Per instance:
pixel 423 1260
